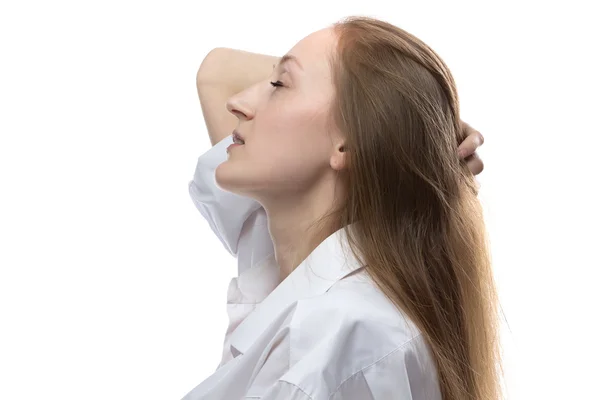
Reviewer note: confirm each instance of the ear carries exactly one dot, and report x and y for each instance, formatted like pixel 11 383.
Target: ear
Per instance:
pixel 339 156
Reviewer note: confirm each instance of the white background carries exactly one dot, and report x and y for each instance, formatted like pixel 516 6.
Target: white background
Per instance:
pixel 112 285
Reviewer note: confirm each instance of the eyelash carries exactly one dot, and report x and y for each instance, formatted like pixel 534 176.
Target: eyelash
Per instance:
pixel 277 84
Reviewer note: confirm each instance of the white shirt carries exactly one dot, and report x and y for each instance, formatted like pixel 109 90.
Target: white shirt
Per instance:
pixel 325 332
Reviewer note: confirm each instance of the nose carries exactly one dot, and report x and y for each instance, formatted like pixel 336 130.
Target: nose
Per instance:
pixel 239 107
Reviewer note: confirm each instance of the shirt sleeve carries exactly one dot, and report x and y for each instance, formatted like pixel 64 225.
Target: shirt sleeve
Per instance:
pixel 225 212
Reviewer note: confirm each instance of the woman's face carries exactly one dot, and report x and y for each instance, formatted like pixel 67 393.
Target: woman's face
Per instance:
pixel 288 148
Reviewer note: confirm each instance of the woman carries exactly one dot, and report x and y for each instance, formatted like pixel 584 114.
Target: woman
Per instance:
pixel 363 267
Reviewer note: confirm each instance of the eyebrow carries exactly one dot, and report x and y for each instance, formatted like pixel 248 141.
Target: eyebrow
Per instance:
pixel 286 58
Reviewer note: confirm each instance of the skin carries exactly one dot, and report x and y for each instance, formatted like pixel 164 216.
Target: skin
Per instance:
pixel 468 147
pixel 291 157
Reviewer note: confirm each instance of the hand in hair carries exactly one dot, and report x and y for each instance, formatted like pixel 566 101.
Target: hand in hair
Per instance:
pixel 467 149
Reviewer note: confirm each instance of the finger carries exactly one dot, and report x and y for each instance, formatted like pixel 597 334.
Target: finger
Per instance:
pixel 475 164
pixel 477 186
pixel 471 142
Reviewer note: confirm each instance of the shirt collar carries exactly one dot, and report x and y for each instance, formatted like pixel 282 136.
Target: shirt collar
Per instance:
pixel 327 263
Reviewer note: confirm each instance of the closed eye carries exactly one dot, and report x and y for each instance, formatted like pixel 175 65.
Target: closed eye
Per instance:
pixel 277 83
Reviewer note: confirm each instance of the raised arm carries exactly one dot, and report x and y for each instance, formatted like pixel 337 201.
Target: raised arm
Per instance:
pixel 223 73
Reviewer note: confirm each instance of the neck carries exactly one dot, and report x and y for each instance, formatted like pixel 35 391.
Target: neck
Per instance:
pixel 292 226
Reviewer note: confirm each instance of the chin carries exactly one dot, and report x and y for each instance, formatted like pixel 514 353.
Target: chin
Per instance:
pixel 227 177
pixel 223 176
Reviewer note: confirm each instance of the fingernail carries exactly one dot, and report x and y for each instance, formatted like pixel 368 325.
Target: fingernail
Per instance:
pixel 461 153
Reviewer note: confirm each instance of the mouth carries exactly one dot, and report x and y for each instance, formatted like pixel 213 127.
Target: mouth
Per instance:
pixel 231 146
pixel 237 138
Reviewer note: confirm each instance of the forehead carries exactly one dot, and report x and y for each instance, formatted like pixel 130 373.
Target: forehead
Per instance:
pixel 314 51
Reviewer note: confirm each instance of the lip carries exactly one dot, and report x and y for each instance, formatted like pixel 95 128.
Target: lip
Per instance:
pixel 236 133
pixel 232 146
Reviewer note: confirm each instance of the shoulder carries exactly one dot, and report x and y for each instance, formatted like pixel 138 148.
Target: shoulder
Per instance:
pixel 351 336
pixel 354 308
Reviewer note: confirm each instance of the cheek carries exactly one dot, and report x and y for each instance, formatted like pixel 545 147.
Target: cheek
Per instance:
pixel 301 141
pixel 287 158
pixel 289 166
pixel 294 118
pixel 288 146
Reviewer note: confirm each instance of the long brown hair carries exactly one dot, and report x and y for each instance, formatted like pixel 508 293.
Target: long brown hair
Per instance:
pixel 417 224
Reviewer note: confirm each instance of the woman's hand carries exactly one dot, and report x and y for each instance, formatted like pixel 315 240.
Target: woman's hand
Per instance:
pixel 467 149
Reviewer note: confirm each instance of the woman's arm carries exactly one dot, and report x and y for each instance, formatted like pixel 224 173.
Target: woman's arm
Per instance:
pixel 223 73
